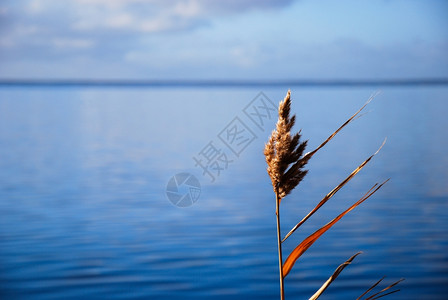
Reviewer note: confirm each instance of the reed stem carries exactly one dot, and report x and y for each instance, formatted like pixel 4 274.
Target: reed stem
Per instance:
pixel 279 243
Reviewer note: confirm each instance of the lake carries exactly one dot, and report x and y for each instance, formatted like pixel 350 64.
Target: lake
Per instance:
pixel 85 212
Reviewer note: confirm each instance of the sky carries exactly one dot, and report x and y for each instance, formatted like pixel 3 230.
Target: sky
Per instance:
pixel 205 39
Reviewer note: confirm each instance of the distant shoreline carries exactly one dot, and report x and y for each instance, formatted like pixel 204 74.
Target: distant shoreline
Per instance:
pixel 220 83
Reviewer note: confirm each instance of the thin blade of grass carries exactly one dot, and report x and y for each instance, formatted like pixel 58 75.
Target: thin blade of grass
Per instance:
pixel 309 241
pixel 374 296
pixel 333 277
pixel 333 192
pixel 370 288
pixel 308 155
pixel 385 294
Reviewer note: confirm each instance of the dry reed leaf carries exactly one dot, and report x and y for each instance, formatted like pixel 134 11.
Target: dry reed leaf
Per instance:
pixel 309 241
pixel 308 155
pixel 333 277
pixel 370 288
pixel 333 192
pixel 384 295
pixel 378 295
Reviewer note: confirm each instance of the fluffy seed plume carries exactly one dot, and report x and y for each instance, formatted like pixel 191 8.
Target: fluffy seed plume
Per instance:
pixel 284 152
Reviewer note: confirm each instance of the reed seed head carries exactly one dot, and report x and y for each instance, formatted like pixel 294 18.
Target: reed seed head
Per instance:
pixel 284 152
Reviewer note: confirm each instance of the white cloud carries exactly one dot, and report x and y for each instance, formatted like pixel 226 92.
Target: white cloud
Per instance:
pixel 123 20
pixel 73 43
pixel 158 15
pixel 3 10
pixel 156 25
pixel 188 9
pixel 245 57
pixel 111 4
pixel 35 6
pixel 24 30
pixel 6 42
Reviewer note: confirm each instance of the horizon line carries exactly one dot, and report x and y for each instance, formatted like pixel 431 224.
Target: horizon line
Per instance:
pixel 220 82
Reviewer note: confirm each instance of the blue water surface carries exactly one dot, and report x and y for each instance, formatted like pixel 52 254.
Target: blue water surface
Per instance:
pixel 84 213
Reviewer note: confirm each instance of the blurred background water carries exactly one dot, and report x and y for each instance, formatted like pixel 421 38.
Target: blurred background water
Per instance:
pixel 84 213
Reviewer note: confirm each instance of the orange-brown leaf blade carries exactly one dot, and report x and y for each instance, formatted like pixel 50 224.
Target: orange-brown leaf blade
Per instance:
pixel 309 241
pixel 332 193
pixel 333 277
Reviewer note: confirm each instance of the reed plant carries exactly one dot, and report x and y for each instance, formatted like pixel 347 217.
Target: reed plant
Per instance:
pixel 286 160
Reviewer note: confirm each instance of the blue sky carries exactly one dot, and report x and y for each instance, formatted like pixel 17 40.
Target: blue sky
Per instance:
pixel 200 39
